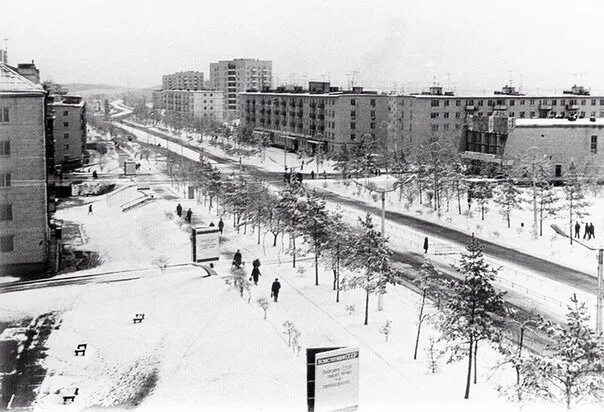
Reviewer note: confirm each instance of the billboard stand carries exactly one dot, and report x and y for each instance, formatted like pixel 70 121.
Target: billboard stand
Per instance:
pixel 205 245
pixel 332 379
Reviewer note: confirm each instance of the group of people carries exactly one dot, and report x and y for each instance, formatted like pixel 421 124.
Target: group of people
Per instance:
pixel 188 215
pixel 220 225
pixel 255 276
pixel 588 233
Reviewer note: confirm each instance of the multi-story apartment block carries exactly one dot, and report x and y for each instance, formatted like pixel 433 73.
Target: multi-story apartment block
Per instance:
pixel 187 105
pixel 414 118
pixel 69 130
pixel 322 118
pixel 189 80
pixel 238 75
pixel 23 194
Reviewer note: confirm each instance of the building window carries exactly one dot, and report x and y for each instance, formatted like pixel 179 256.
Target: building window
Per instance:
pixel 593 102
pixel 353 126
pixel 458 115
pixel 372 102
pixel 558 172
pixel 532 115
pixel 435 128
pixel 458 103
pixel 372 125
pixel 65 124
pixel 434 115
pixel 593 114
pixel 457 127
pixel 6 212
pixel 66 146
pixel 4 147
pixel 594 145
pixel 65 135
pixel 446 127
pixel 532 102
pixel 353 136
pixel 5 180
pixel 522 115
pixel 446 102
pixel 522 102
pixel 490 102
pixel 583 102
pixel 4 115
pixel 353 114
pixel 446 115
pixel 435 103
pixel 601 102
pixel 7 243
pixel 372 114
pixel 353 102
pixel 512 114
pixel 65 113
pixel 480 102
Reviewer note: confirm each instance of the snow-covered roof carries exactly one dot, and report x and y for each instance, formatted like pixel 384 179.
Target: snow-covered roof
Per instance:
pixel 12 82
pixel 585 122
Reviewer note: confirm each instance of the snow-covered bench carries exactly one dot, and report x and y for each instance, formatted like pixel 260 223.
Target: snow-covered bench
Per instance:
pixel 138 318
pixel 81 349
pixel 69 394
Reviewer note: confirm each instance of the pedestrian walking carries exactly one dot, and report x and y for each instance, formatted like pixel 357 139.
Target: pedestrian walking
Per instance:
pixel 592 231
pixel 275 289
pixel 302 165
pixel 179 210
pixel 426 244
pixel 220 225
pixel 586 232
pixel 90 209
pixel 189 215
pixel 577 230
pixel 312 174
pixel 255 275
pixel 237 259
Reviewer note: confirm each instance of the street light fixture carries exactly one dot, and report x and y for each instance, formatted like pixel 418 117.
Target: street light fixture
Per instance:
pixel 600 250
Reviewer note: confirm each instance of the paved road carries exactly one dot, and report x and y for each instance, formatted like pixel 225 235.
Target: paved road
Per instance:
pixel 551 270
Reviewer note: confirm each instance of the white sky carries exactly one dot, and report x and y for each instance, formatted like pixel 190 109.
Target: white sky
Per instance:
pixel 471 45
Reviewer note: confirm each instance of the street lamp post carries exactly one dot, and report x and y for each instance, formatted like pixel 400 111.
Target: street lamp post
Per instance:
pixel 599 296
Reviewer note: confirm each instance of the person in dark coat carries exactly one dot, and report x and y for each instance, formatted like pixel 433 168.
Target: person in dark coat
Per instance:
pixel 189 215
pixel 577 230
pixel 592 231
pixel 220 225
pixel 312 174
pixel 179 210
pixel 90 209
pixel 237 259
pixel 586 232
pixel 426 244
pixel 255 274
pixel 275 289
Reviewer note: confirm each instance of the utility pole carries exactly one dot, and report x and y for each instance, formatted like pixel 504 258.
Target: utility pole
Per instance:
pixel 599 291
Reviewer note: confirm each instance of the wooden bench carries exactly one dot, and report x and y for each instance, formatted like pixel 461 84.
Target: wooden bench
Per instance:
pixel 70 395
pixel 79 352
pixel 138 318
pixel 82 346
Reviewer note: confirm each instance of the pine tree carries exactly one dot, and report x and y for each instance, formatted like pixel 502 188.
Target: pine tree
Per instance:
pixel 316 223
pixel 508 197
pixel 370 262
pixel 290 211
pixel 575 197
pixel 548 201
pixel 429 283
pixel 482 192
pixel 469 315
pixel 571 369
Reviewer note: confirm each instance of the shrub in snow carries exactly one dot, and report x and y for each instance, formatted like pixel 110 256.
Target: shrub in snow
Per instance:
pixel 375 197
pixel 296 341
pixel 350 309
pixel 407 206
pixel 161 262
pixel 495 233
pixel 263 303
pixel 433 353
pixel 290 330
pixel 385 329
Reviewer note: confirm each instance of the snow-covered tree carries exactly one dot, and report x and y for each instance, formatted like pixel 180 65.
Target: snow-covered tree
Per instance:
pixel 316 231
pixel 386 329
pixel 482 191
pixel 429 283
pixel 508 197
pixel 469 315
pixel 576 203
pixel 370 263
pixel 571 369
pixel 264 304
pixel 338 247
pixel 290 210
pixel 548 202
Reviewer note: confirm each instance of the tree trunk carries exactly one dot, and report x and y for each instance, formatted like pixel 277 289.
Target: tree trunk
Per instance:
pixel 419 324
pixel 469 376
pixel 475 361
pixel 458 196
pixel 508 218
pixel 335 276
pixel 338 273
pixel 294 252
pixel 316 266
pixel 275 239
pixel 482 210
pixel 366 307
pixel 258 233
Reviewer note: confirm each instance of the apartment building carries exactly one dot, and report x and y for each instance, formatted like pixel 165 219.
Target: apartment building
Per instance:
pixel 185 105
pixel 69 130
pixel 238 75
pixel 416 117
pixel 188 80
pixel 23 194
pixel 321 118
pixel 500 139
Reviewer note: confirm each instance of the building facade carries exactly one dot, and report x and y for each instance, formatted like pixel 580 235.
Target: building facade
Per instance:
pixel 69 130
pixel 238 75
pixel 326 119
pixel 189 80
pixel 24 230
pixel 415 117
pixel 187 105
